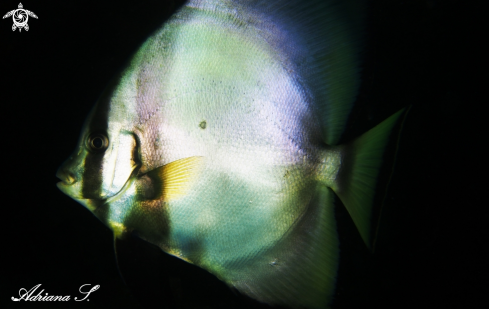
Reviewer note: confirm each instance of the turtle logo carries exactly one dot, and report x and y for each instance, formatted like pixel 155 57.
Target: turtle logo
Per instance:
pixel 20 17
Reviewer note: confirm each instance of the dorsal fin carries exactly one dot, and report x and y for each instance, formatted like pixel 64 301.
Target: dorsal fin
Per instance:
pixel 330 33
pixel 320 40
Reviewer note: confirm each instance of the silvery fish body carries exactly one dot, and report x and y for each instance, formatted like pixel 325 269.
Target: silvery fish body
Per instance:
pixel 218 144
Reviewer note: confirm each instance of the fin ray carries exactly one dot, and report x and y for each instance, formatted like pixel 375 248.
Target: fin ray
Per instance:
pixel 175 178
pixel 357 178
pixel 300 270
pixel 331 34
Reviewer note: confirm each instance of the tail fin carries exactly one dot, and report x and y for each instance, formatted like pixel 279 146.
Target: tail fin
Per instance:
pixel 357 177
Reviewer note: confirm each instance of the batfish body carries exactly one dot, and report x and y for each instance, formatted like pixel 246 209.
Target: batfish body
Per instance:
pixel 218 144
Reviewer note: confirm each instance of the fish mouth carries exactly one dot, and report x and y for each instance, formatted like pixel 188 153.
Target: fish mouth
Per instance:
pixel 90 204
pixel 69 189
pixel 73 190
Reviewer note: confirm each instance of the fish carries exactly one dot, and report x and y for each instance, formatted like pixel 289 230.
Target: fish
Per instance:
pixel 219 144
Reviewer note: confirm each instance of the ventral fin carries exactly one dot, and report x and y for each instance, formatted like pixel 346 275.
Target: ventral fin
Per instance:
pixel 174 179
pixel 139 261
pixel 120 231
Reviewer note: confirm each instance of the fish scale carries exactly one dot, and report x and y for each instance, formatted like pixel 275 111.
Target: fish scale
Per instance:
pixel 222 145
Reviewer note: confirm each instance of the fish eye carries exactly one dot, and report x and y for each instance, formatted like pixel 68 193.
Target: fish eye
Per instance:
pixel 97 142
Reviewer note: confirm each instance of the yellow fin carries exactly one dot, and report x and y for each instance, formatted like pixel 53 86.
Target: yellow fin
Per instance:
pixel 177 177
pixel 118 229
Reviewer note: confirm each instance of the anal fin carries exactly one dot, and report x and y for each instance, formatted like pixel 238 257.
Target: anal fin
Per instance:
pixel 300 270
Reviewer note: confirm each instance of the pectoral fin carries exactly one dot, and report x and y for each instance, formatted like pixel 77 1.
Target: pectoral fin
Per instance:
pixel 174 179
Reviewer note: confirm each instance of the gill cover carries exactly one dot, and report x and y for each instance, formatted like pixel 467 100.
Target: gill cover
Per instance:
pixel 105 159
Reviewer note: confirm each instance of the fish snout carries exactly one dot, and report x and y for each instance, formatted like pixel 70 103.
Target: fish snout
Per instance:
pixel 70 184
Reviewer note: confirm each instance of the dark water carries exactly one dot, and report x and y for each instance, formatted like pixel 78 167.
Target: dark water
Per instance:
pixel 432 249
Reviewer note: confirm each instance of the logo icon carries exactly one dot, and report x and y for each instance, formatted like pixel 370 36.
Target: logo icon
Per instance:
pixel 20 17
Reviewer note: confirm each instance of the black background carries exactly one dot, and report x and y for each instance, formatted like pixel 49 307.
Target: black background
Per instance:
pixel 432 249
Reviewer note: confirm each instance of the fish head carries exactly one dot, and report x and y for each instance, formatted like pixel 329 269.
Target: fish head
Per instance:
pixel 106 157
